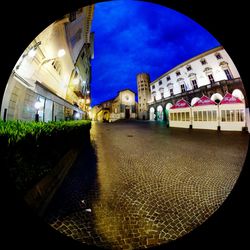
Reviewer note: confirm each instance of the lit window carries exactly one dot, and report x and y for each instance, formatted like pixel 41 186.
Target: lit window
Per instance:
pixel 223 115
pixel 195 115
pixel 205 116
pixel 214 115
pixel 183 116
pixel 200 116
pixel 209 115
pixel 242 115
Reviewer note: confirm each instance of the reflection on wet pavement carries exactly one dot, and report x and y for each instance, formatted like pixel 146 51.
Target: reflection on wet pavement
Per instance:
pixel 142 184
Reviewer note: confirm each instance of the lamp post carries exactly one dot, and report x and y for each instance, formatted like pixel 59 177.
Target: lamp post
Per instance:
pixel 60 53
pixel 38 105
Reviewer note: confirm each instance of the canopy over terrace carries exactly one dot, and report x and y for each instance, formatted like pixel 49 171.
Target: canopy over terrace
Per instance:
pixel 180 114
pixel 205 114
pixel 232 113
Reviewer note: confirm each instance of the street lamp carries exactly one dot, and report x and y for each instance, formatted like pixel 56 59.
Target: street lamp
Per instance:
pixel 60 53
pixel 31 53
pixel 37 105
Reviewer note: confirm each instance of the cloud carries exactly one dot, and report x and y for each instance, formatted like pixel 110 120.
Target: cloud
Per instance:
pixel 133 37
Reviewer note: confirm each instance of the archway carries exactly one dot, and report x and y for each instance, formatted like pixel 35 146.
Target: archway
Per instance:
pixel 152 114
pixel 168 106
pixel 159 113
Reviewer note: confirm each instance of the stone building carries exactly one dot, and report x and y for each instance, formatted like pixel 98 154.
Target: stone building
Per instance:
pixel 143 88
pixel 212 73
pixel 42 79
pixel 123 106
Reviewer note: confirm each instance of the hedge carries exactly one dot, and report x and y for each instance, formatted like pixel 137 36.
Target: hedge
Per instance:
pixel 30 150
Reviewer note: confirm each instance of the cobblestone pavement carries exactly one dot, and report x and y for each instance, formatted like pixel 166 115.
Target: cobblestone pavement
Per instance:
pixel 147 184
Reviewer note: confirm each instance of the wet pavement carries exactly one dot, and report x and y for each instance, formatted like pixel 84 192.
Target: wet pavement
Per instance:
pixel 142 184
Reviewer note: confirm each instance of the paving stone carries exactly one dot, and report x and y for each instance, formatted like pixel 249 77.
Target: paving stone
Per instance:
pixel 148 189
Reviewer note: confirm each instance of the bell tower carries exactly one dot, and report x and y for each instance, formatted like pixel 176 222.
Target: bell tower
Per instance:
pixel 143 88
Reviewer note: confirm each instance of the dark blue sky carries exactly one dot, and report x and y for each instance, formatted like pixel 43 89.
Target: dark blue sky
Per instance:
pixel 133 37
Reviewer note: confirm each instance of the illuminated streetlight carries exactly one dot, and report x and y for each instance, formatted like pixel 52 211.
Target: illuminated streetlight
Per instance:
pixel 77 115
pixel 31 53
pixel 38 105
pixel 61 53
pixel 75 81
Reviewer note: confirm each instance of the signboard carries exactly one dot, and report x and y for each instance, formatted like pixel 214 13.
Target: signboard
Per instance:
pixel 180 104
pixel 204 101
pixel 230 99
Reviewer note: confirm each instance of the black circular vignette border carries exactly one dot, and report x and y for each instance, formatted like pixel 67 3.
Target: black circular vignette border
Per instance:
pixel 227 22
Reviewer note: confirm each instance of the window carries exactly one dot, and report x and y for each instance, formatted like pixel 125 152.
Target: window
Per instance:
pixel 228 74
pixel 168 78
pixel 223 115
pixel 232 115
pixel 178 73
pixel 209 115
pixel 242 115
pixel 182 88
pixel 179 116
pixel 203 61
pixel 160 83
pixel 218 56
pixel 239 115
pixel 175 117
pixel 171 116
pixel 195 115
pixel 211 78
pixel 153 86
pixel 189 68
pixel 194 82
pixel 183 116
pixel 205 116
pixel 162 95
pixel 171 92
pixel 214 115
pixel 141 81
pixel 139 97
pixel 142 89
pixel 199 116
pixel 187 116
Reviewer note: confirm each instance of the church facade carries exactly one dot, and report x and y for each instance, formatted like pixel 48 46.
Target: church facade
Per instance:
pixel 123 106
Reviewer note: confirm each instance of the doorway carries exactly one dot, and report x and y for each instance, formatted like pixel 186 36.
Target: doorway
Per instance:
pixel 127 113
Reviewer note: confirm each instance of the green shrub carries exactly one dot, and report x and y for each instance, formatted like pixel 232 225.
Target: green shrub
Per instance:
pixel 30 150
